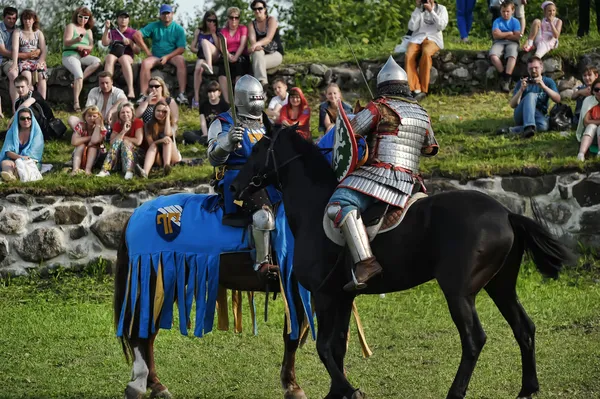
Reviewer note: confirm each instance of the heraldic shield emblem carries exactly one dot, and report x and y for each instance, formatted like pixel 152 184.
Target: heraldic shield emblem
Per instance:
pixel 168 222
pixel 345 150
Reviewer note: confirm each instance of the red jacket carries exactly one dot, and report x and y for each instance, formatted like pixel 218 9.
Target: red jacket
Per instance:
pixel 303 119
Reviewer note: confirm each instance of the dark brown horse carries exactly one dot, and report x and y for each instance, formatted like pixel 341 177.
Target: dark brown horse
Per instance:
pixel 465 240
pixel 235 272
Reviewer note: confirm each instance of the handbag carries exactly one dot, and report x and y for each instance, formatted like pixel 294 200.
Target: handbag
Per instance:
pixel 117 47
pixel 27 170
pixel 56 128
pixel 560 117
pixel 84 52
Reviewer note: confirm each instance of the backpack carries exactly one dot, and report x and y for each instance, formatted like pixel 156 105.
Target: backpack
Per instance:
pixel 560 117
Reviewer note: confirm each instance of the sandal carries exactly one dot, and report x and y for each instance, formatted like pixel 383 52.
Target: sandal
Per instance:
pixel 76 107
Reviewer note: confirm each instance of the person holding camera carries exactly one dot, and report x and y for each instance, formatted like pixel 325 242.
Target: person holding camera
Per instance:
pixel 530 101
pixel 122 49
pixel 427 22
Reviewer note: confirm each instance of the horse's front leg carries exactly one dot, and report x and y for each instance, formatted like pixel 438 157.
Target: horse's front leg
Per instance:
pixel 158 389
pixel 136 388
pixel 333 316
pixel 291 389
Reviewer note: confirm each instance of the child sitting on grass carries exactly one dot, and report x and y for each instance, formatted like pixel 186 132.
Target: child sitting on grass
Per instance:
pixel 590 74
pixel 506 32
pixel 591 122
pixel 281 98
pixel 87 137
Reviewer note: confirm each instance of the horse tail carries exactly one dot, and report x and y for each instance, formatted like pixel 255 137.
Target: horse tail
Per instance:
pixel 549 254
pixel 121 282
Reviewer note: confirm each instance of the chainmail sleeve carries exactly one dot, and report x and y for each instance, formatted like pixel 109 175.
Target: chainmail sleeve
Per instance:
pixel 365 121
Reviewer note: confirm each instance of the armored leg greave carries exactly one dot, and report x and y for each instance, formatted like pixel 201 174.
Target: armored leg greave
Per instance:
pixel 263 222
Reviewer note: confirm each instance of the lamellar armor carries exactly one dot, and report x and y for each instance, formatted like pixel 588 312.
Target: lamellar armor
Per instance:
pixel 398 132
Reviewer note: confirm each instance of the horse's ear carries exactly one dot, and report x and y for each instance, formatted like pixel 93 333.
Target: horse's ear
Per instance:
pixel 268 124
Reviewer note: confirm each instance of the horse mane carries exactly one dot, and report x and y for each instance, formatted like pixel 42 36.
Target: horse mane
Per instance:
pixel 316 165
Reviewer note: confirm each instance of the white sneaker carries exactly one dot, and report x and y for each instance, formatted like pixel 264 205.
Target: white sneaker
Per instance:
pixel 103 173
pixel 182 99
pixel 128 175
pixel 402 47
pixel 581 157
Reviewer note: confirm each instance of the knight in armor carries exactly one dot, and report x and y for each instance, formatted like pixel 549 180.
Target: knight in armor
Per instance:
pixel 229 146
pixel 397 131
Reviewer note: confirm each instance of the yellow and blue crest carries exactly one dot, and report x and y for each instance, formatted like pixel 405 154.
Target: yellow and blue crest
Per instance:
pixel 168 222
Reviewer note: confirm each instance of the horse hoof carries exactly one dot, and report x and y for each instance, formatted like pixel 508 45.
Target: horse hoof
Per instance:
pixel 164 394
pixel 297 393
pixel 358 394
pixel 132 393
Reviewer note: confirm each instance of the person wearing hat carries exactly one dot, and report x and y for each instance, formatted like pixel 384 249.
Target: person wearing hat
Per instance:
pixel 122 48
pixel 168 45
pixel 544 34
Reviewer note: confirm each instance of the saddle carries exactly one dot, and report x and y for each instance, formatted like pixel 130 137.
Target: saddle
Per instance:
pixel 379 218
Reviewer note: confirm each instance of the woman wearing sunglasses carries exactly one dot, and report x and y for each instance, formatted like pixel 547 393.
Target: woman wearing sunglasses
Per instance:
pixel 78 42
pixel 265 43
pixel 157 91
pixel 24 139
pixel 204 46
pixel 591 121
pixel 236 36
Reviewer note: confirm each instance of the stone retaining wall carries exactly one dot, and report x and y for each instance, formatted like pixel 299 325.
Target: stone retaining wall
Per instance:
pixel 456 71
pixel 46 232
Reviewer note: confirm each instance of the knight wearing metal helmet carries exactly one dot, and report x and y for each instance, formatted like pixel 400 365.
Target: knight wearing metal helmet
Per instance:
pixel 229 146
pixel 397 131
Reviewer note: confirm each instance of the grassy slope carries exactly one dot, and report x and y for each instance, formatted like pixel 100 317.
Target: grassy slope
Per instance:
pixel 58 342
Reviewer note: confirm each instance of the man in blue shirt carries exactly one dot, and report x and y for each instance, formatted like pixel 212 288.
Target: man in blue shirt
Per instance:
pixel 530 100
pixel 168 45
pixel 7 27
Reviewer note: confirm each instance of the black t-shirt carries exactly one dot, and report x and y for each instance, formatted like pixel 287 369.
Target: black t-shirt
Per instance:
pixel 40 104
pixel 210 111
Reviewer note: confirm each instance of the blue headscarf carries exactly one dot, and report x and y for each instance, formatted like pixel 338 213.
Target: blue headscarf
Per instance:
pixel 35 146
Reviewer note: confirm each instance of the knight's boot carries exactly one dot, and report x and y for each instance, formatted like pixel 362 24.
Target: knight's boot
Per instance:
pixel 263 222
pixel 366 266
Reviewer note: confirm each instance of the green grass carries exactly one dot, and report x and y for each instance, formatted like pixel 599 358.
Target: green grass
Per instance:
pixel 464 125
pixel 58 342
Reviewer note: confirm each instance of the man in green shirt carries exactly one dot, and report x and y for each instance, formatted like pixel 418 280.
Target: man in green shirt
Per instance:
pixel 168 45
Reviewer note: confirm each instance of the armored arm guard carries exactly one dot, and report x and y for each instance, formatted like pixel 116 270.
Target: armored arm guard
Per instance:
pixel 365 121
pixel 219 146
pixel 430 145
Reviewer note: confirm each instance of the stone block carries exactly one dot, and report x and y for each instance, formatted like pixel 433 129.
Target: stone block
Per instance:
pixel 126 201
pixel 46 200
pixel 79 252
pixel 446 56
pixel 552 65
pixel 109 228
pixel 513 203
pixel 69 214
pixel 529 186
pixel 97 210
pixel 202 189
pixel 480 68
pixel 41 244
pixel 589 222
pixel 20 199
pixel 78 232
pixel 318 69
pixel 484 184
pixel 3 249
pixel 565 84
pixel 587 192
pixel 12 222
pixel 461 73
pixel 449 66
pixel 558 213
pixel 433 76
pixel 42 216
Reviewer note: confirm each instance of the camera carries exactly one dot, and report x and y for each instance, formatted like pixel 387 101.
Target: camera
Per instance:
pixel 530 80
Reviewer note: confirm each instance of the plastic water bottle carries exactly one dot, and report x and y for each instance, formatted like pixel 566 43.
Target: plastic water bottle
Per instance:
pixel 449 118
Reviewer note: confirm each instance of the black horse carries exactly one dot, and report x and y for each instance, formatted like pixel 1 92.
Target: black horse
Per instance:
pixel 465 240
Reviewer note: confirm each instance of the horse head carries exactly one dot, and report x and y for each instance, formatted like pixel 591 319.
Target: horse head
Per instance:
pixel 268 157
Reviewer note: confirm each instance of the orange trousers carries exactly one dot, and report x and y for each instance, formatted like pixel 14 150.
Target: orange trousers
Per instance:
pixel 420 80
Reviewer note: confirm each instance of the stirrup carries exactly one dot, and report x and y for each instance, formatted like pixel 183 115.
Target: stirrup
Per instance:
pixel 354 285
pixel 268 271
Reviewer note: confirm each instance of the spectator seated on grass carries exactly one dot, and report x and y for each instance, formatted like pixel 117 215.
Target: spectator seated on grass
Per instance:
pixel 168 45
pixel 157 91
pixel 266 48
pixel 125 143
pixel 506 33
pixel 328 110
pixel 590 74
pixel 591 122
pixel 24 140
pixel 281 98
pixel 544 34
pixel 122 49
pixel 204 44
pixel 296 111
pixel 106 97
pixel 78 42
pixel 7 28
pixel 162 148
pixel 27 98
pixel 427 23
pixel 88 137
pixel 209 109
pixel 236 36
pixel 30 39
pixel 530 101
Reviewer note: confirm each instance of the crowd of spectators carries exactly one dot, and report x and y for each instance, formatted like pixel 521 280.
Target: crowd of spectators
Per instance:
pixel 115 134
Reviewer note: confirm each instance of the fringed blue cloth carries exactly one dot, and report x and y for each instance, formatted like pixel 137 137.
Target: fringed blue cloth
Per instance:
pixel 182 233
